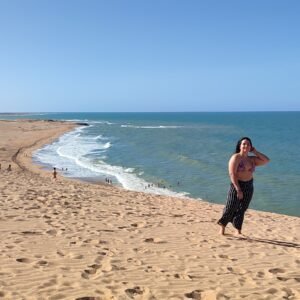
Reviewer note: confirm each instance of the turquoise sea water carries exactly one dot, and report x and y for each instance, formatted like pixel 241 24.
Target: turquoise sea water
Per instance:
pixel 181 153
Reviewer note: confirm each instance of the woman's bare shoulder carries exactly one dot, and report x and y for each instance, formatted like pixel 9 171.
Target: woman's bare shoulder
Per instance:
pixel 234 159
pixel 235 156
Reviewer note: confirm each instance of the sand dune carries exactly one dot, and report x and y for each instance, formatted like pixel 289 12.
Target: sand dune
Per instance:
pixel 64 239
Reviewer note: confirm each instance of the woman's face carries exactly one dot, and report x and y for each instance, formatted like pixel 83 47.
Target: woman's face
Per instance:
pixel 245 146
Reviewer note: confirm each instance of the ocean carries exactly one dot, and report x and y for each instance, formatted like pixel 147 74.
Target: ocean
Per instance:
pixel 179 154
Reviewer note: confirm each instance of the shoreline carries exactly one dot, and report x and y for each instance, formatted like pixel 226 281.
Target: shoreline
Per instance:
pixel 26 163
pixel 268 196
pixel 67 239
pixel 101 179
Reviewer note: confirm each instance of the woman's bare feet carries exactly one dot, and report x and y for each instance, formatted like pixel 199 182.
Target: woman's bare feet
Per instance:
pixel 222 229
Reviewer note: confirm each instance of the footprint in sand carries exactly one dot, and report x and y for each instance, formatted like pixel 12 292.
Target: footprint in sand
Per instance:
pixel 272 291
pixel 138 225
pixel 154 240
pixel 194 295
pixel 276 270
pixel 52 232
pixel 297 279
pixel 225 245
pixel 88 298
pixel 9 246
pixel 23 260
pixel 208 294
pixel 31 233
pixel 183 276
pixel 282 278
pixel 134 292
pixel 289 292
pixel 238 271
pixel 42 263
pixel 60 253
pixel 224 256
pixel 86 273
pixel 260 274
pixel 92 270
pixel 134 261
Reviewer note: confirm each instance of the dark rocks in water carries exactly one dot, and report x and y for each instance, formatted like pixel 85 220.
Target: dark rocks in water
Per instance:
pixel 82 124
pixel 77 123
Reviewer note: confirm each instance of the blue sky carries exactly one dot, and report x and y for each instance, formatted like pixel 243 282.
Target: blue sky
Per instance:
pixel 122 55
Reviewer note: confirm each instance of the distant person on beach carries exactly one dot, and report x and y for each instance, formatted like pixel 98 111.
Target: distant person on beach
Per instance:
pixel 54 173
pixel 9 168
pixel 241 168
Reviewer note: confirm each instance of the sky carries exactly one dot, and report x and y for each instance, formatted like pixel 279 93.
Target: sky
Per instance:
pixel 149 55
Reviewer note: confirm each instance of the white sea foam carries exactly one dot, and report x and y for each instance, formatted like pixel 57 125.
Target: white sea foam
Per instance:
pixel 90 122
pixel 107 145
pixel 150 127
pixel 84 156
pixel 101 122
pixel 100 137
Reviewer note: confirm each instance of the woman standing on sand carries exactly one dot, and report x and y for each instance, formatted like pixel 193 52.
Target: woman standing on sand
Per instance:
pixel 241 168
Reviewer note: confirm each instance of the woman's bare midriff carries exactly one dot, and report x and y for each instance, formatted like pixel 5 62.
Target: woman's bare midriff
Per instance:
pixel 244 176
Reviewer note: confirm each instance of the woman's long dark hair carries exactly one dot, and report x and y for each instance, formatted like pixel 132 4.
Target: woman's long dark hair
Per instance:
pixel 238 145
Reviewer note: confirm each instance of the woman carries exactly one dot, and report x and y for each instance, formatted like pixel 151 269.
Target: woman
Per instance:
pixel 241 168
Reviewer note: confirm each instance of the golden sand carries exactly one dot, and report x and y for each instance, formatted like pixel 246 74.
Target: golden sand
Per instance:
pixel 64 239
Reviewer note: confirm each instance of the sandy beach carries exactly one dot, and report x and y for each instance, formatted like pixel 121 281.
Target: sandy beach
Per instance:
pixel 65 239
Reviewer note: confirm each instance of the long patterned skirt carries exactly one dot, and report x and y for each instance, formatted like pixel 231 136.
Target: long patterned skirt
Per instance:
pixel 235 208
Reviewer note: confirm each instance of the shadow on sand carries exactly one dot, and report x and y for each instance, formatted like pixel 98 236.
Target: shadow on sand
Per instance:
pixel 267 241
